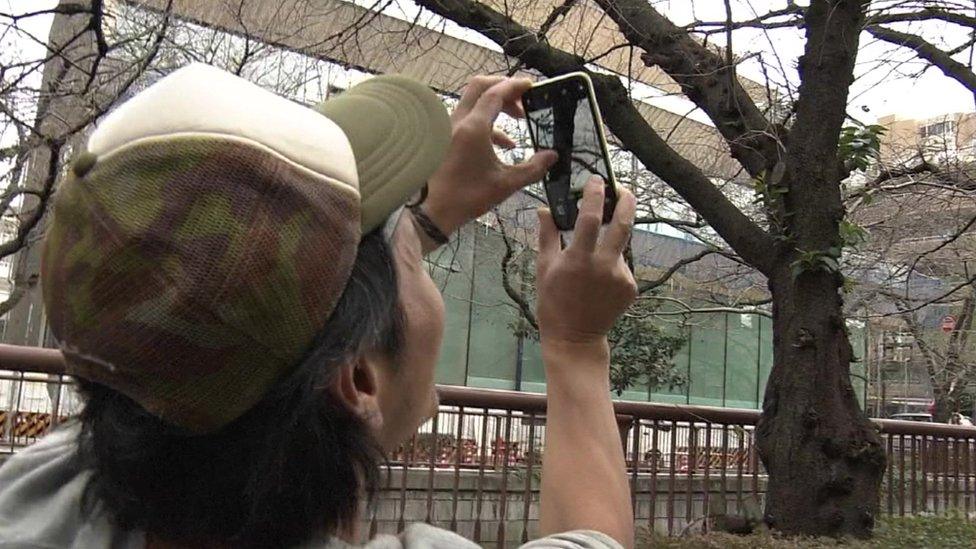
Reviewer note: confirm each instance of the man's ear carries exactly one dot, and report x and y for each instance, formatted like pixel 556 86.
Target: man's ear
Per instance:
pixel 357 387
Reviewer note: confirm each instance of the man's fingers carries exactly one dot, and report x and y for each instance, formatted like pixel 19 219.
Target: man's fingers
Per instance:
pixel 514 108
pixel 476 86
pixel 531 171
pixel 589 217
pixel 548 236
pixel 618 233
pixel 502 139
pixel 494 99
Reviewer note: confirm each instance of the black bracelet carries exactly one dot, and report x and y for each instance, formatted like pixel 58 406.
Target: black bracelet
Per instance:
pixel 428 226
pixel 420 198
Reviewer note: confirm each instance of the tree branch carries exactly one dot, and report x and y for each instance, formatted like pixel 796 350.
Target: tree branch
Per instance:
pixel 514 294
pixel 63 8
pixel 17 292
pixel 922 15
pixel 813 167
pixel 625 121
pixel 30 221
pixel 648 220
pixel 932 357
pixel 101 46
pixel 648 285
pixel 969 281
pixel 763 21
pixel 926 50
pixel 954 237
pixel 887 174
pixel 705 77
pixel 688 310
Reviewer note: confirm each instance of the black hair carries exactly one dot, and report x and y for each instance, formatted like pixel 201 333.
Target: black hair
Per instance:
pixel 293 468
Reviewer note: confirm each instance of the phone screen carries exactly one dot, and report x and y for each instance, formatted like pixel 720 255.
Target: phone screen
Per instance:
pixel 560 117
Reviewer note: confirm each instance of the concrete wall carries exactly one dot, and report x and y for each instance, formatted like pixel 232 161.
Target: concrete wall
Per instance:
pixel 504 517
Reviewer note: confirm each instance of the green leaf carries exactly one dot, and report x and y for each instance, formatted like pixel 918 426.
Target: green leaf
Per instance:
pixel 796 269
pixel 858 146
pixel 830 263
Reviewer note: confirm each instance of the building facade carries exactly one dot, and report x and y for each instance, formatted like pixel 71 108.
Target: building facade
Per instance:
pixel 945 137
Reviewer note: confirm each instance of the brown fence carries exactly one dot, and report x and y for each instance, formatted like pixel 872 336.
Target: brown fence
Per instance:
pixel 475 467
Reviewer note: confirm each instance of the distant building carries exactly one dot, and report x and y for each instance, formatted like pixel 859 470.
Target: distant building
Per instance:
pixel 917 227
pixel 939 138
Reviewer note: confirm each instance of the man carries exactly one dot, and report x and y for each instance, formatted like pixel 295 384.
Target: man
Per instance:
pixel 236 286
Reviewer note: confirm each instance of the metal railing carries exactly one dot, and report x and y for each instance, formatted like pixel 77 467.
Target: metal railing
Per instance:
pixel 475 467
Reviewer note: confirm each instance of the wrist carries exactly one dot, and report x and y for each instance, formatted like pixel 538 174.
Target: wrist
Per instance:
pixel 590 346
pixel 577 356
pixel 442 215
pixel 427 227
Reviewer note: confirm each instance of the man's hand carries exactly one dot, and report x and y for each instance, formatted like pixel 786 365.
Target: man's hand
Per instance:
pixel 582 291
pixel 472 178
pixel 584 288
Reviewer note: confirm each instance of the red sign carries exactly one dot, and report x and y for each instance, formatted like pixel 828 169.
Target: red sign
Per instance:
pixel 948 323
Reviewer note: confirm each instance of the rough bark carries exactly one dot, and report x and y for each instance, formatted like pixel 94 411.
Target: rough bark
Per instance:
pixel 824 458
pixel 705 77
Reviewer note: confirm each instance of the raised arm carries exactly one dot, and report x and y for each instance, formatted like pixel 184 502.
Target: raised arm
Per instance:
pixel 472 179
pixel 582 290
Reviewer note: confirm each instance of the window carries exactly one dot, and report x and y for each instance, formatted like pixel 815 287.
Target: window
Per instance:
pixel 944 128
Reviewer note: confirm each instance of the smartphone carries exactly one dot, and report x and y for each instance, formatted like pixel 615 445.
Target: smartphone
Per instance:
pixel 563 115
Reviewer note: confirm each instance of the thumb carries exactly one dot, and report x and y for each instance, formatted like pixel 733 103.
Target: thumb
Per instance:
pixel 532 170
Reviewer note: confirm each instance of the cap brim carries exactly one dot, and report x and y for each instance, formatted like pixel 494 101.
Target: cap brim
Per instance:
pixel 399 132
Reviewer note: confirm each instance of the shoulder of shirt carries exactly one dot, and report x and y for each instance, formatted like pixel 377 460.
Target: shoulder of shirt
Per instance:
pixel 577 539
pixel 425 536
pixel 41 492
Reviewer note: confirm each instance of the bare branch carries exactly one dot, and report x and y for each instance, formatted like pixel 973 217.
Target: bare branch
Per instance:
pixel 28 223
pixel 17 292
pixel 689 310
pixel 705 77
pixel 926 50
pixel 648 285
pixel 63 8
pixel 792 12
pixel 648 220
pixel 516 296
pixel 922 15
pixel 627 124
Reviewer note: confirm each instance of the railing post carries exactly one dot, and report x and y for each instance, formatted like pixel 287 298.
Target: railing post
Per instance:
pixel 624 424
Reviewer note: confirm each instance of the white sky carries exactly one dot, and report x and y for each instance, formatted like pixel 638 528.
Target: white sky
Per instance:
pixel 929 95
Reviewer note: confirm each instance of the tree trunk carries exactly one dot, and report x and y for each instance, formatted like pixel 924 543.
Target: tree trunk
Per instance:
pixel 945 405
pixel 824 458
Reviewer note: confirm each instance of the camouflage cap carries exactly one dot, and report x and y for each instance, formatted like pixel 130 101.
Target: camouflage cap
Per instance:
pixel 204 238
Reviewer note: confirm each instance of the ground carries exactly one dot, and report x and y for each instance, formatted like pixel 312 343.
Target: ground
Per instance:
pixel 921 532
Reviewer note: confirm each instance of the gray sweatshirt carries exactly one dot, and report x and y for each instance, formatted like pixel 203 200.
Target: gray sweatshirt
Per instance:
pixel 41 490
